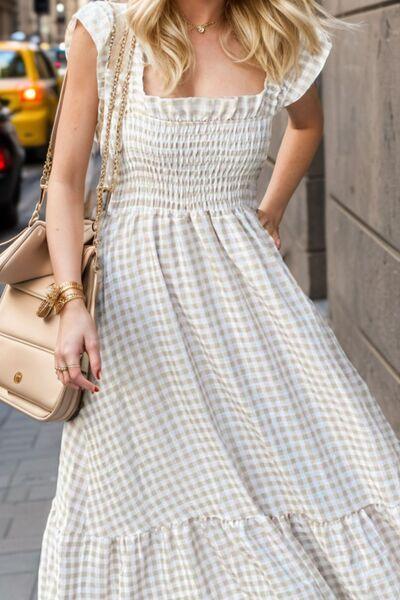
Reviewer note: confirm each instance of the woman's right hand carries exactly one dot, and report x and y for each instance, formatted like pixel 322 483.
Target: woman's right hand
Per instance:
pixel 77 333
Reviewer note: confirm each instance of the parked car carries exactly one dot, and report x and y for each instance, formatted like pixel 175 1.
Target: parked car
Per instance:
pixel 58 58
pixel 12 156
pixel 30 87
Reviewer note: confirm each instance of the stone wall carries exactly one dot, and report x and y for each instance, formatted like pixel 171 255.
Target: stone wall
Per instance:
pixel 362 129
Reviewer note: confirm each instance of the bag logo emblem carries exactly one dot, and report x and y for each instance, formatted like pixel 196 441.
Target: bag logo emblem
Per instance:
pixel 17 377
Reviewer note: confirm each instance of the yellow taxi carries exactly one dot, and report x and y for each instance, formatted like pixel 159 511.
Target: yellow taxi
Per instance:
pixel 29 87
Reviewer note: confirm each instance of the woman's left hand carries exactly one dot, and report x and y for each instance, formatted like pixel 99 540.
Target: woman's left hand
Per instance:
pixel 271 223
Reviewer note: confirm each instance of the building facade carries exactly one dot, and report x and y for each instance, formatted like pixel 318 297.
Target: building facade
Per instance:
pixel 8 18
pixel 51 26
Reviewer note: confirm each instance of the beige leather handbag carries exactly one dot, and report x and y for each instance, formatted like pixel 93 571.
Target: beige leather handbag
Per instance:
pixel 27 342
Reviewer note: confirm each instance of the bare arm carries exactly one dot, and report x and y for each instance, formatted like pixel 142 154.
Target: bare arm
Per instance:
pixel 65 202
pixel 299 144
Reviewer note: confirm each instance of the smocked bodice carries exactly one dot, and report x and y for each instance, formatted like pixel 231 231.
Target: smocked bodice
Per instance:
pixel 194 151
pixel 185 152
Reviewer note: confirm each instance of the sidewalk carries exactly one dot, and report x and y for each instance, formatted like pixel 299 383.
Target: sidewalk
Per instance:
pixel 28 468
pixel 29 453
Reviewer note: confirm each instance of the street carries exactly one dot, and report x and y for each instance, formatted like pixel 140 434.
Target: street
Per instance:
pixel 30 195
pixel 29 453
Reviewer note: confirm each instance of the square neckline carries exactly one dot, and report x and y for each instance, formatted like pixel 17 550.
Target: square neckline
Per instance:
pixel 192 98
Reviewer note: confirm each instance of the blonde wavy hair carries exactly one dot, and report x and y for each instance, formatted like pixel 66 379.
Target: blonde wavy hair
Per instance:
pixel 271 32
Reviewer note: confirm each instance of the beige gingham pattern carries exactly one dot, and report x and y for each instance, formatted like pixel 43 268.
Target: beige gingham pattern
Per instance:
pixel 233 451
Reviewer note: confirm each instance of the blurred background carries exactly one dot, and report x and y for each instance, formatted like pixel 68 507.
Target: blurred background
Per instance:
pixel 341 232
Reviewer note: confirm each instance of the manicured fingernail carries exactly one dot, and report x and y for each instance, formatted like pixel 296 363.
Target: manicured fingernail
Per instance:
pixel 96 389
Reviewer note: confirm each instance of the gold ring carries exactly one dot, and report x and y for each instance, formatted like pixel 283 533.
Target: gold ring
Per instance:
pixel 65 367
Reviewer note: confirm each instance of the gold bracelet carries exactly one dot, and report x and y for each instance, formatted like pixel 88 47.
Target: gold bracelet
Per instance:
pixel 62 302
pixel 53 294
pixel 63 299
pixel 65 293
pixel 47 304
pixel 68 293
pixel 66 285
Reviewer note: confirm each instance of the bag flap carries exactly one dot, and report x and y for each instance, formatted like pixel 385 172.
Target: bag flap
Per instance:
pixel 28 371
pixel 28 256
pixel 37 287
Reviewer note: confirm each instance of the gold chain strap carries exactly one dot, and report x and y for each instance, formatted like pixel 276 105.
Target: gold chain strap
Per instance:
pixel 118 135
pixel 101 108
pixel 101 186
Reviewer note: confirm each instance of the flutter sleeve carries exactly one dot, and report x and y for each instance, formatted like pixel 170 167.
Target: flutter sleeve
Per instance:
pixel 97 18
pixel 310 66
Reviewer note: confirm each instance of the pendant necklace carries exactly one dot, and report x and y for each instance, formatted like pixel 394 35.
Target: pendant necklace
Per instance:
pixel 200 28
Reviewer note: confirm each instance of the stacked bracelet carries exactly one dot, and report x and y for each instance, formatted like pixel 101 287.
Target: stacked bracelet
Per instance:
pixel 66 285
pixel 64 298
pixel 57 297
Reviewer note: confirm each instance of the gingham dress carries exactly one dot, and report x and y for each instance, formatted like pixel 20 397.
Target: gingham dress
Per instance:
pixel 233 451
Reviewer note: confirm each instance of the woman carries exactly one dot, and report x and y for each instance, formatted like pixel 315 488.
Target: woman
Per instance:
pixel 227 448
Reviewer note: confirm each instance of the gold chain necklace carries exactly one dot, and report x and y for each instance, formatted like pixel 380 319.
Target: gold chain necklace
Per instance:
pixel 200 28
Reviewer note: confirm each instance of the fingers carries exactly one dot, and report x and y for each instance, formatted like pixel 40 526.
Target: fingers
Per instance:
pixel 69 352
pixel 60 362
pixel 63 376
pixel 276 238
pixel 77 379
pixel 272 229
pixel 92 347
pixel 73 375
